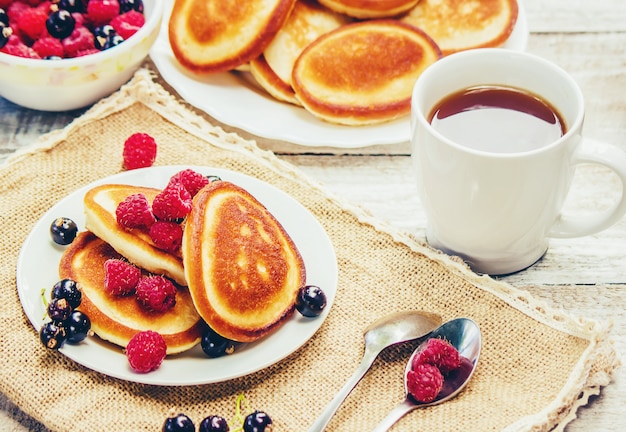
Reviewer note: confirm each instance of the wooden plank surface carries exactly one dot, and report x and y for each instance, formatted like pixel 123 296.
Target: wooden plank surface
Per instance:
pixel 585 276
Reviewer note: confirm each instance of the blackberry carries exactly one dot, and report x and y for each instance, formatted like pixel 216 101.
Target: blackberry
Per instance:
pixel 310 301
pixel 60 24
pixel 258 421
pixel 213 424
pixel 52 335
pixel 77 327
pixel 216 345
pixel 63 230
pixel 69 290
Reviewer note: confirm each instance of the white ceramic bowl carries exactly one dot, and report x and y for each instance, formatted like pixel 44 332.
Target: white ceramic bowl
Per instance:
pixel 61 85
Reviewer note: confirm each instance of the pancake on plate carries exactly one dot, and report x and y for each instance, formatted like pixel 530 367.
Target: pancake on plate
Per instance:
pixel 135 245
pixel 220 35
pixel 458 25
pixel 243 269
pixel 307 22
pixel 118 318
pixel 370 8
pixel 363 73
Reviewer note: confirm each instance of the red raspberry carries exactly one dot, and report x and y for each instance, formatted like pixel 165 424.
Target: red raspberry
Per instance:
pixel 172 203
pixel 79 19
pixel 4 4
pixel 127 24
pixel 87 52
pixel 439 353
pixel 140 151
pixel 48 47
pixel 32 23
pixel 134 212
pixel 100 12
pixel 146 351
pixel 120 277
pixel 15 10
pixel 41 5
pixel 424 382
pixel 18 48
pixel 191 180
pixel 81 39
pixel 156 293
pixel 166 235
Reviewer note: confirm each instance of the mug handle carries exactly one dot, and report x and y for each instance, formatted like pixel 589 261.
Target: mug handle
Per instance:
pixel 614 159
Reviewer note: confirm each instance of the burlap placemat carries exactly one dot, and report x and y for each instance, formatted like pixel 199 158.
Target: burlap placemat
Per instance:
pixel 537 364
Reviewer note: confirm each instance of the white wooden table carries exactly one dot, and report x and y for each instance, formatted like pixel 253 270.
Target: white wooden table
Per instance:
pixel 585 276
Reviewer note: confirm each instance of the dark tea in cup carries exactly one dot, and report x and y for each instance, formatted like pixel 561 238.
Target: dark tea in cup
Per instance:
pixel 496 137
pixel 497 119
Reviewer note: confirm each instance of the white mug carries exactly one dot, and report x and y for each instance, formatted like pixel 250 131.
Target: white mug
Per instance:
pixel 498 210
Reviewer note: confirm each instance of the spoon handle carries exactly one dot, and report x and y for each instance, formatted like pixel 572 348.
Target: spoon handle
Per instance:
pixel 322 421
pixel 394 415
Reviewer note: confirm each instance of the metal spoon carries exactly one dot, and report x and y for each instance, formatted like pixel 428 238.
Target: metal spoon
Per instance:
pixel 464 335
pixel 382 333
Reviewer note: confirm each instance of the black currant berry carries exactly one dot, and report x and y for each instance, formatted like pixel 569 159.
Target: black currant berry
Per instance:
pixel 310 301
pixel 258 421
pixel 113 41
pixel 128 5
pixel 214 424
pixel 104 39
pixel 68 290
pixel 215 345
pixel 102 34
pixel 73 5
pixel 5 34
pixel 60 24
pixel 77 327
pixel 178 423
pixel 52 335
pixel 104 31
pixel 4 18
pixel 59 309
pixel 63 231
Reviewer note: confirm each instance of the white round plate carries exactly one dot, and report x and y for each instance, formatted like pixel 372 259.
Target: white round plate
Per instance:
pixel 234 99
pixel 39 258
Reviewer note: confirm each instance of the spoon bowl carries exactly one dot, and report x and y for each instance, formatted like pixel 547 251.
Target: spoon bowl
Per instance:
pixel 387 331
pixel 465 336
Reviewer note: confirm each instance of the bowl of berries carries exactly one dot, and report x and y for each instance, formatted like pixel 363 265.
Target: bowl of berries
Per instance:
pixel 59 55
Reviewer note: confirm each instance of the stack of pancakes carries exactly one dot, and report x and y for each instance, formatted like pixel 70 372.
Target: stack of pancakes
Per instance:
pixel 237 271
pixel 351 62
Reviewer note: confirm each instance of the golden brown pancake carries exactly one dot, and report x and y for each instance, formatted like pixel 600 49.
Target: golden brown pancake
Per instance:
pixel 363 73
pixel 458 25
pixel 307 21
pixel 135 245
pixel 370 8
pixel 116 319
pixel 271 82
pixel 220 35
pixel 243 269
